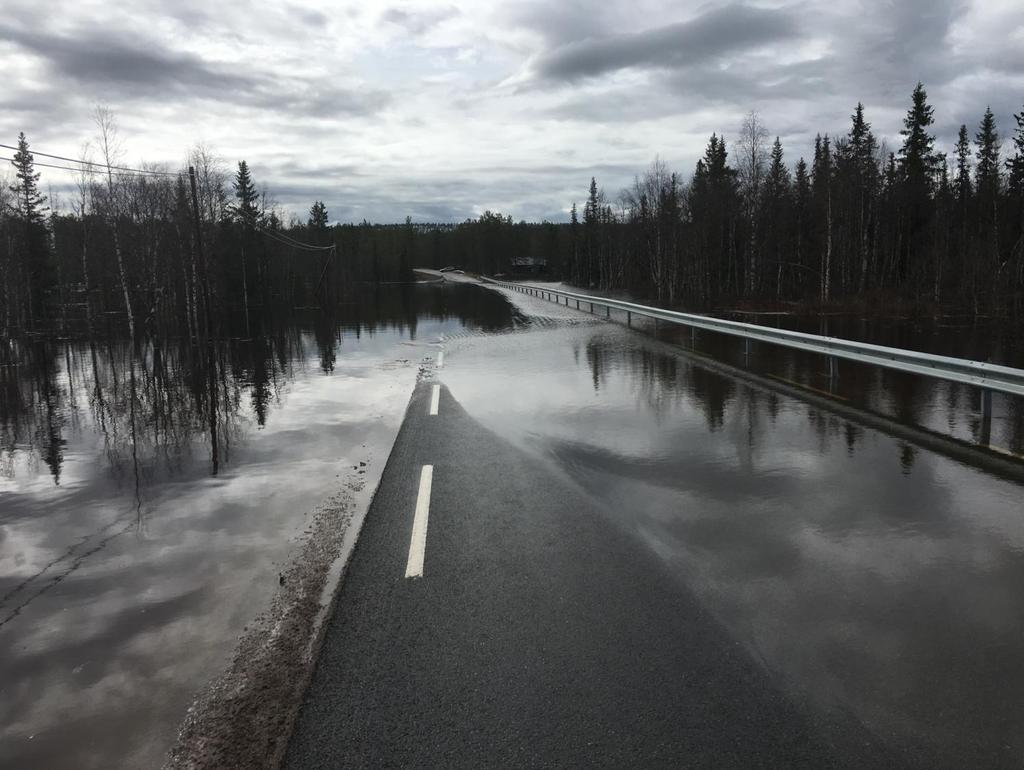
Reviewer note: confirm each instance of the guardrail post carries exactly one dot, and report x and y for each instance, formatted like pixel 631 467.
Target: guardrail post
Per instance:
pixel 986 416
pixel 693 338
pixel 591 307
pixel 577 304
pixel 629 318
pixel 746 349
pixel 833 368
pixel 607 311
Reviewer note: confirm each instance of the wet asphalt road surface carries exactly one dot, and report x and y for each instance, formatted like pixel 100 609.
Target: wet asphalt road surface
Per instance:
pixel 539 635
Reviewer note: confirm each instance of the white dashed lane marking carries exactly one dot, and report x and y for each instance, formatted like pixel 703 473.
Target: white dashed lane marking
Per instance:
pixel 435 399
pixel 418 544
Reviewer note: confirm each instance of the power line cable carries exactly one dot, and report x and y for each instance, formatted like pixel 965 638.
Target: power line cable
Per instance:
pixel 72 168
pixel 277 235
pixel 90 163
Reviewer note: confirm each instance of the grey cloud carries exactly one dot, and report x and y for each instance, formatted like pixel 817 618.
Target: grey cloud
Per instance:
pixel 418 22
pixel 311 17
pixel 105 59
pixel 314 99
pixel 717 32
pixel 148 71
pixel 562 22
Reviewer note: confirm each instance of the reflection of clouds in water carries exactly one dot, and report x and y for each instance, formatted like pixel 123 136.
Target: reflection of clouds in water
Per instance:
pixel 101 664
pixel 861 582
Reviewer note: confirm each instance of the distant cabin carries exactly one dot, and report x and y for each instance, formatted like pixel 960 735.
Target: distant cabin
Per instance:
pixel 529 265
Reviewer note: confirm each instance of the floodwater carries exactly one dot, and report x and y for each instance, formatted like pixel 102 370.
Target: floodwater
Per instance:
pixel 876 571
pixel 854 543
pixel 144 522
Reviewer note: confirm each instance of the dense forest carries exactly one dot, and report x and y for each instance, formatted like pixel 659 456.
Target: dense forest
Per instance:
pixel 859 223
pixel 204 250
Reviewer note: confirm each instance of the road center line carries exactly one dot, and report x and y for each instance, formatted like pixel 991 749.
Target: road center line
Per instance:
pixel 418 544
pixel 435 399
pixel 440 359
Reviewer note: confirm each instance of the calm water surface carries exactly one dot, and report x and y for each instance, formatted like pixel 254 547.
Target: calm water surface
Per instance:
pixel 871 576
pixel 147 508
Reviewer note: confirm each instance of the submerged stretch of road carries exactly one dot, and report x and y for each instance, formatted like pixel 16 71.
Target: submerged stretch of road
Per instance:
pixel 588 549
pixel 491 617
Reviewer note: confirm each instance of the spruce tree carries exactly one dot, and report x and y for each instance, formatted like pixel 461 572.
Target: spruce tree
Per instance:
pixel 986 173
pixel 822 183
pixel 917 155
pixel 591 224
pixel 986 185
pixel 244 210
pixel 574 235
pixel 318 216
pixel 30 210
pixel 962 177
pixel 1015 163
pixel 246 195
pixel 801 213
pixel 863 178
pixel 777 212
pixel 918 164
pixel 1015 189
pixel 29 203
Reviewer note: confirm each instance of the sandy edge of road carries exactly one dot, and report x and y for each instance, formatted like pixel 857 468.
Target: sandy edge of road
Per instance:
pixel 244 717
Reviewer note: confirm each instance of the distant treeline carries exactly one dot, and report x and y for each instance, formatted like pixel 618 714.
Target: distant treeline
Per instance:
pixel 136 251
pixel 914 225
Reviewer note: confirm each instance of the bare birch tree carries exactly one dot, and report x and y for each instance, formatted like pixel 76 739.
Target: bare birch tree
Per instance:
pixel 752 152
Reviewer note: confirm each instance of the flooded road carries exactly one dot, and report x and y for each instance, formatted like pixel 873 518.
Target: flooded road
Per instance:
pixel 141 530
pixel 871 576
pixel 871 572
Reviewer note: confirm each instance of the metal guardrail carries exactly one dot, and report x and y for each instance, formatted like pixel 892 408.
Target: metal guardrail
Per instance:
pixel 988 377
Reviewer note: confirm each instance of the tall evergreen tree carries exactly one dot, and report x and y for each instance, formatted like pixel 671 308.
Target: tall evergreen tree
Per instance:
pixel 861 171
pixel 918 164
pixel 318 216
pixel 246 195
pixel 987 172
pixel 591 235
pixel 776 215
pixel 1015 193
pixel 987 183
pixel 802 217
pixel 963 195
pixel 30 210
pixel 29 203
pixel 1015 163
pixel 244 210
pixel 962 177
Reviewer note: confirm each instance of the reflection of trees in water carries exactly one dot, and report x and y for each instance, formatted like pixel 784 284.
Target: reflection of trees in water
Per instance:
pixel 905 398
pixel 153 403
pixel 149 405
pixel 663 381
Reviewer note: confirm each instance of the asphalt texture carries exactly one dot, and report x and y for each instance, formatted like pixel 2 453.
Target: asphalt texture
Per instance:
pixel 540 635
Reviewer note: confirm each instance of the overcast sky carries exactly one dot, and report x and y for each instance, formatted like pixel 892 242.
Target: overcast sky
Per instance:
pixel 440 110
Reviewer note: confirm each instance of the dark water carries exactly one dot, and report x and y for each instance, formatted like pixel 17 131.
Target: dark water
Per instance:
pixel 874 570
pixel 874 575
pixel 148 502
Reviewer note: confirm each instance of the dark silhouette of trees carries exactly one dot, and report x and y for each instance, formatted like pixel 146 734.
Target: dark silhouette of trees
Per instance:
pixel 318 216
pixel 30 239
pixel 855 223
